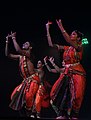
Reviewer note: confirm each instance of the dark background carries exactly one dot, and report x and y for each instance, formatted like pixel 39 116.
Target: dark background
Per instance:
pixel 28 19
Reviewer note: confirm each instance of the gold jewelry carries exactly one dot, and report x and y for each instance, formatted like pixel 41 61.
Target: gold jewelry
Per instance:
pixel 6 41
pixel 13 37
pixel 45 63
pixel 63 31
pixel 53 64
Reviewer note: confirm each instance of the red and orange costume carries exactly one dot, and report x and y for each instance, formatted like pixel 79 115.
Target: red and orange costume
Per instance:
pixel 68 91
pixel 42 96
pixel 26 91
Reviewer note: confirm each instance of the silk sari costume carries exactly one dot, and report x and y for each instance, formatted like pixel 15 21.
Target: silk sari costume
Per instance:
pixel 68 91
pixel 26 91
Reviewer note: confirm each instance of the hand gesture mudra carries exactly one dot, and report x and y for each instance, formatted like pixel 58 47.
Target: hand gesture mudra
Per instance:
pixel 13 35
pixel 51 59
pixel 7 37
pixel 45 59
pixel 48 24
pixel 59 22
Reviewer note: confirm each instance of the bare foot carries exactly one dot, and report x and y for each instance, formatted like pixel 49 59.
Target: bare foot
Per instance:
pixel 62 117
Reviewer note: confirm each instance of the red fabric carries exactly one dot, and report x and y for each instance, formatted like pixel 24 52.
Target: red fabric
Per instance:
pixel 79 84
pixel 79 80
pixel 14 91
pixel 55 85
pixel 46 101
pixel 30 90
pixel 29 95
pixel 72 54
pixel 42 98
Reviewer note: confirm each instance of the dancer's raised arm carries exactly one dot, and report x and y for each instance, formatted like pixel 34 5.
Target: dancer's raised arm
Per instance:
pixel 13 56
pixel 25 46
pixel 48 34
pixel 73 39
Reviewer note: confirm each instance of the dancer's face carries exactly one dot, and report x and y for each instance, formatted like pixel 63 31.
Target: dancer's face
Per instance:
pixel 26 45
pixel 39 64
pixel 73 36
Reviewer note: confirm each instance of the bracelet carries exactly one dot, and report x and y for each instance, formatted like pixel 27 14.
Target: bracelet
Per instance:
pixel 6 41
pixel 13 37
pixel 63 31
pixel 45 63
pixel 53 64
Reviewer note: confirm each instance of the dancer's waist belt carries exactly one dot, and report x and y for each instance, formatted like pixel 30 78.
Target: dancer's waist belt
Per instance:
pixel 70 65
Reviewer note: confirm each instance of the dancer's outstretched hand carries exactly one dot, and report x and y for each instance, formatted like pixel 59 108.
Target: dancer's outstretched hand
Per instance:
pixel 13 34
pixel 7 38
pixel 48 24
pixel 51 59
pixel 45 58
pixel 59 22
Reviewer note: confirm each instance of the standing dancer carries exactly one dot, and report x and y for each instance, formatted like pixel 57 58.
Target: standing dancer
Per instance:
pixel 25 92
pixel 69 105
pixel 43 96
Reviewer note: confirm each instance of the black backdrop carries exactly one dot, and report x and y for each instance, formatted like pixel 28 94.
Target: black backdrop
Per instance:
pixel 28 20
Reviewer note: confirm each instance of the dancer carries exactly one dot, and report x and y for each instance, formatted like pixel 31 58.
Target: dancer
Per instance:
pixel 67 98
pixel 24 93
pixel 43 96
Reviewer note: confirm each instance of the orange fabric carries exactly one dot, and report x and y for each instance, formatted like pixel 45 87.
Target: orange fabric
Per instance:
pixel 30 90
pixel 79 68
pixel 42 99
pixel 14 91
pixel 46 101
pixel 29 95
pixel 39 98
pixel 55 85
pixel 79 81
pixel 72 55
pixel 79 84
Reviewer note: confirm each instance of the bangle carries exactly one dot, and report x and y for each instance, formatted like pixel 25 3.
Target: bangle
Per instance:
pixel 13 37
pixel 6 41
pixel 45 63
pixel 53 64
pixel 63 31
